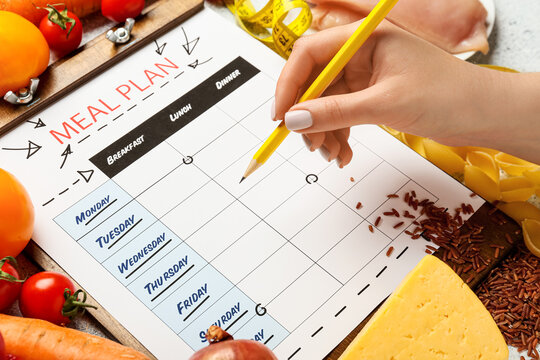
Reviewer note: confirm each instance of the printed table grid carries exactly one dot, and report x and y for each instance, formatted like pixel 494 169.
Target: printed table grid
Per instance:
pixel 261 221
pixel 216 177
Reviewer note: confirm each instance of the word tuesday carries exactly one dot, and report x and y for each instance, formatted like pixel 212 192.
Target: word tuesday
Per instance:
pixel 83 119
pixel 119 230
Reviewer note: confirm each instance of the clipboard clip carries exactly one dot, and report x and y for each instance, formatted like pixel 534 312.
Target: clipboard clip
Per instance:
pixel 122 34
pixel 24 95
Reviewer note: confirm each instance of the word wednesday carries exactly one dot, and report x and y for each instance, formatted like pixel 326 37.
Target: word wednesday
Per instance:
pixel 141 254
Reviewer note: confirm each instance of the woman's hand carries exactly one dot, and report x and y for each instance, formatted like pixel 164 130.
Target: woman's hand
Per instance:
pixel 395 79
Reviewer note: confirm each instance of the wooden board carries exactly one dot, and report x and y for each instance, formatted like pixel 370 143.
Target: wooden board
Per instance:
pixel 95 57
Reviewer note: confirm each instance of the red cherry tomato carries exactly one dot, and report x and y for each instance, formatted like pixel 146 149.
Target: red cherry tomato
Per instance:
pixel 62 29
pixel 120 10
pixel 10 287
pixel 51 296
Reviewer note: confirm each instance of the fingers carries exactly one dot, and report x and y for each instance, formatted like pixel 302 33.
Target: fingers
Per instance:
pixel 331 147
pixel 313 141
pixel 345 152
pixel 369 106
pixel 310 54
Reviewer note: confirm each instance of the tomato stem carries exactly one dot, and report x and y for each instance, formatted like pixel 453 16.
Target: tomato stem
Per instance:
pixel 72 306
pixel 4 275
pixel 60 18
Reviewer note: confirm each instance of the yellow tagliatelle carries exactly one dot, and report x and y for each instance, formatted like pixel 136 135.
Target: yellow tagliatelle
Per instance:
pixel 534 176
pixel 415 142
pixel 484 161
pixel 517 195
pixel 516 189
pixel 512 165
pixel 515 183
pixel 520 211
pixel 481 183
pixel 444 157
pixel 531 235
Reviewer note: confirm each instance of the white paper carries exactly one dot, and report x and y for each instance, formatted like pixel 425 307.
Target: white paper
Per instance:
pixel 170 243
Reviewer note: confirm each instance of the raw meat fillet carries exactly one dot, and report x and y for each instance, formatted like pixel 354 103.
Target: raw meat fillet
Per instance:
pixel 455 26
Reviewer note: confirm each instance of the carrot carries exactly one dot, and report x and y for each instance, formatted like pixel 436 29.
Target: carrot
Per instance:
pixel 29 9
pixel 29 339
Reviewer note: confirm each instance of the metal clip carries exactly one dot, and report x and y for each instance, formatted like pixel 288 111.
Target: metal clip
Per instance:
pixel 24 95
pixel 122 34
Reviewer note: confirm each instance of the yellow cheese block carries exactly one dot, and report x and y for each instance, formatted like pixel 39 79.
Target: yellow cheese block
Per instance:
pixel 432 315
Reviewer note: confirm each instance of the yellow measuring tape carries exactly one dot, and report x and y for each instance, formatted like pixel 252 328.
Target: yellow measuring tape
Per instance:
pixel 272 24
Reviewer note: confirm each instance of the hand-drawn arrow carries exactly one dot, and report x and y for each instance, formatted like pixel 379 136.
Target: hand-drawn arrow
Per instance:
pixel 160 49
pixel 65 154
pixel 86 174
pixel 196 63
pixel 38 124
pixel 189 46
pixel 31 149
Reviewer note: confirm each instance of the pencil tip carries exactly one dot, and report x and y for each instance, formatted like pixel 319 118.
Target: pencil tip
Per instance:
pixel 243 178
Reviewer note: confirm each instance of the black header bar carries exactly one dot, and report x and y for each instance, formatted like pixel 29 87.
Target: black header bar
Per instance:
pixel 136 143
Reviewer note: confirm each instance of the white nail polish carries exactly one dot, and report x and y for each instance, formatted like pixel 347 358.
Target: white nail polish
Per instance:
pixel 307 142
pixel 324 153
pixel 298 120
pixel 273 110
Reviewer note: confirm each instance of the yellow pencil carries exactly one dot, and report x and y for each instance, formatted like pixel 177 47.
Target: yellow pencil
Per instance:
pixel 324 79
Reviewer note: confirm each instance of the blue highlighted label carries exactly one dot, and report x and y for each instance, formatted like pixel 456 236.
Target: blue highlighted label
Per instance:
pixel 259 335
pixel 93 209
pixel 175 268
pixel 138 256
pixel 230 313
pixel 118 230
pixel 225 319
pixel 87 214
pixel 190 301
pixel 264 329
pixel 142 254
pixel 185 305
pixel 167 276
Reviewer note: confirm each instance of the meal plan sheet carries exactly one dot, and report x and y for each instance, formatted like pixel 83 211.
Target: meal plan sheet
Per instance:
pixel 134 178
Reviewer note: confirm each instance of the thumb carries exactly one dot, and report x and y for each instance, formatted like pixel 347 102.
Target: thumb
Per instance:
pixel 369 106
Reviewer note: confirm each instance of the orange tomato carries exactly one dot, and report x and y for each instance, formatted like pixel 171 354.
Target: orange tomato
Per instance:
pixel 24 52
pixel 16 216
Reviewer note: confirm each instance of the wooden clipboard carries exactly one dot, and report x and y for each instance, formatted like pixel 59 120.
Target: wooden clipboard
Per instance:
pixel 100 54
pixel 95 57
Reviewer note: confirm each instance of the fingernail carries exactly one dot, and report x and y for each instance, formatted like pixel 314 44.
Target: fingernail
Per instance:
pixel 324 153
pixel 298 120
pixel 338 161
pixel 307 142
pixel 273 110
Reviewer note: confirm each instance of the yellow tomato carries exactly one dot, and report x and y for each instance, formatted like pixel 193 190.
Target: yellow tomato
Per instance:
pixel 16 216
pixel 24 52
